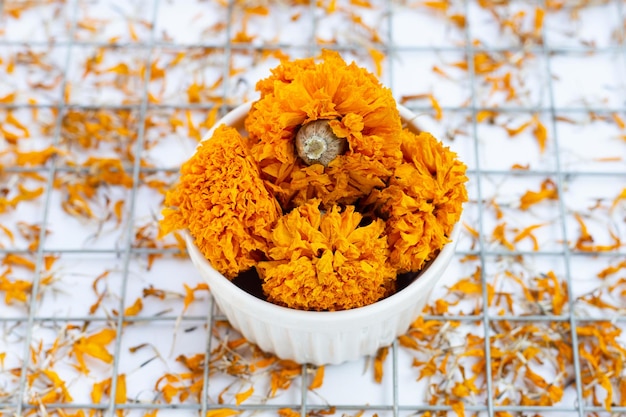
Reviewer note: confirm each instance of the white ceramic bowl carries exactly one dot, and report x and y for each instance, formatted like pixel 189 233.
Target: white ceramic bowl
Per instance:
pixel 321 337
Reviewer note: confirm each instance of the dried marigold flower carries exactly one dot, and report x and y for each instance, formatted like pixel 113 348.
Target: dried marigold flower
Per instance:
pixel 222 200
pixel 423 201
pixel 359 110
pixel 327 261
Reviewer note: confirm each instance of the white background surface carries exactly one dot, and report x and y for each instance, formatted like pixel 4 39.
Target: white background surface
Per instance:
pixel 584 71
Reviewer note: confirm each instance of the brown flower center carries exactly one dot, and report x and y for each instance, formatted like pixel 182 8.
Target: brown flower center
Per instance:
pixel 317 144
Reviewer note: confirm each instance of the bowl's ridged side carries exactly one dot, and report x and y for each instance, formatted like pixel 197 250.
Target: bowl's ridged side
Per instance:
pixel 317 346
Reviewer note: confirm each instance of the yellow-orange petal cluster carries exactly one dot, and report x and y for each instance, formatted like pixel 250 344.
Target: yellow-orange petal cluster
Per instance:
pixel 221 199
pixel 383 207
pixel 327 260
pixel 359 109
pixel 284 73
pixel 423 201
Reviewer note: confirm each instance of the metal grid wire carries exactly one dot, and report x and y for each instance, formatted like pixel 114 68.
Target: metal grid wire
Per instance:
pixel 127 251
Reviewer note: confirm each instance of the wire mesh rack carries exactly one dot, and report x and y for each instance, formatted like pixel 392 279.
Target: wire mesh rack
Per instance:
pixel 101 102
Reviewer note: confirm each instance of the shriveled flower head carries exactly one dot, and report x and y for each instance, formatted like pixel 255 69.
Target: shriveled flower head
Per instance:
pixel 423 201
pixel 358 109
pixel 222 200
pixel 327 261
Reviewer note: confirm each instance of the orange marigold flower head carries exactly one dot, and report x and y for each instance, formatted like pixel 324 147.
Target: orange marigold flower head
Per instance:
pixel 222 201
pixel 359 110
pixel 327 260
pixel 423 201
